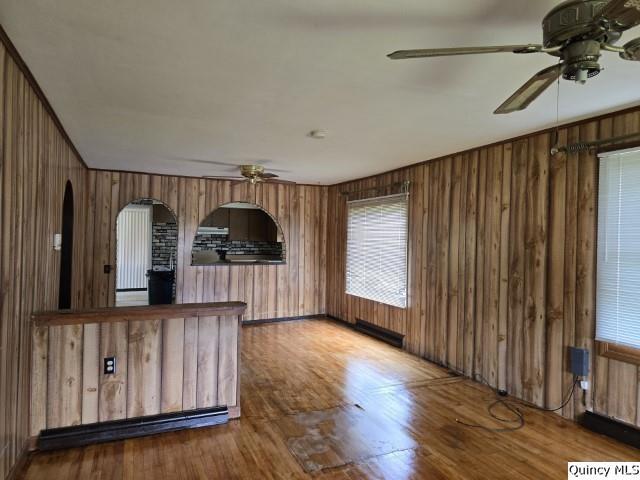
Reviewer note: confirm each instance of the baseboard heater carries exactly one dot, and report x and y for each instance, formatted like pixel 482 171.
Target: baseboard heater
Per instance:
pixel 76 436
pixel 611 428
pixel 388 336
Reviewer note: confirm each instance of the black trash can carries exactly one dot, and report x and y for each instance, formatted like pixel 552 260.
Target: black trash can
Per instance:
pixel 160 286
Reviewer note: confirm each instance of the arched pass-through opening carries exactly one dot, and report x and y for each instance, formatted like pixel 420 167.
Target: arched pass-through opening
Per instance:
pixel 238 233
pixel 146 253
pixel 66 250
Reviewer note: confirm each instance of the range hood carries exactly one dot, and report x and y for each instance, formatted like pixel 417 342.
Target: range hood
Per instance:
pixel 213 230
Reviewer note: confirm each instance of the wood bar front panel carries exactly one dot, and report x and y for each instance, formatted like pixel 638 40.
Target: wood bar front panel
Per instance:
pixel 502 263
pixel 150 367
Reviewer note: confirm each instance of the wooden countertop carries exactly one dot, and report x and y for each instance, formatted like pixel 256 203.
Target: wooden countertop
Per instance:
pixel 145 312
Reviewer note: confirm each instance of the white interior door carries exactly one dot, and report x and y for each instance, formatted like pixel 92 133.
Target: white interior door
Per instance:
pixel 134 246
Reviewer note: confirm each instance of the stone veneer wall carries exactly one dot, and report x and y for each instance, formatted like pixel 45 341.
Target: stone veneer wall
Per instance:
pixel 164 244
pixel 235 247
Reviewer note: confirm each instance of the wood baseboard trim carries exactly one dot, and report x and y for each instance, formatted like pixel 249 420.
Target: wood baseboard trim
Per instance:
pixel 282 319
pixel 611 428
pixel 80 435
pixel 32 444
pixel 234 412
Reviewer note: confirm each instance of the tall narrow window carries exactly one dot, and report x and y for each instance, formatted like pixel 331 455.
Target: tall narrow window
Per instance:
pixel 618 278
pixel 377 249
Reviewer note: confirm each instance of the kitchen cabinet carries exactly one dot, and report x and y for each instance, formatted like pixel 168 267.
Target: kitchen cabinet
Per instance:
pixel 238 224
pixel 251 224
pixel 219 218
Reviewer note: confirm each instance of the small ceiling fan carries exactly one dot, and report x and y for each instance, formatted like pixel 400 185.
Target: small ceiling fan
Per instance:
pixel 253 174
pixel 576 31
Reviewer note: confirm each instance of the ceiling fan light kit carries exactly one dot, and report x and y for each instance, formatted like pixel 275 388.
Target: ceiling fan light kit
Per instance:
pixel 575 31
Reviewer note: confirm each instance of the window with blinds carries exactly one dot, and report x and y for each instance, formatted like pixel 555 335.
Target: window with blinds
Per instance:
pixel 377 249
pixel 618 277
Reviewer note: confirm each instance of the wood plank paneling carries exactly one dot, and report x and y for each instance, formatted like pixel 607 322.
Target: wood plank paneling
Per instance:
pixel 535 269
pixel 144 368
pixel 228 350
pixel 504 239
pixel 172 364
pixel 207 367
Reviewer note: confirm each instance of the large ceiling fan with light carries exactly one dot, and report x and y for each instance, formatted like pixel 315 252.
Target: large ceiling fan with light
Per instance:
pixel 253 174
pixel 576 31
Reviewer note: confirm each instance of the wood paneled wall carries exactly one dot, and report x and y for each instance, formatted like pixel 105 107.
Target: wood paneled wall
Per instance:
pixel 35 164
pixel 501 267
pixel 270 291
pixel 160 368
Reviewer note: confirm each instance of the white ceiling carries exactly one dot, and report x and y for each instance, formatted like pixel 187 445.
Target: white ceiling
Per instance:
pixel 146 85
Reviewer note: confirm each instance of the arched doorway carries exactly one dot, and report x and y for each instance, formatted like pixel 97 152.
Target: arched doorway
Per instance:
pixel 66 250
pixel 146 253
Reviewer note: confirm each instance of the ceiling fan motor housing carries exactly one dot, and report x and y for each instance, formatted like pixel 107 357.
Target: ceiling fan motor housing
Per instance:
pixel 251 170
pixel 575 20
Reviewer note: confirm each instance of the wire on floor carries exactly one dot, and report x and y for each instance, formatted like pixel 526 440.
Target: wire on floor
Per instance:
pixel 511 405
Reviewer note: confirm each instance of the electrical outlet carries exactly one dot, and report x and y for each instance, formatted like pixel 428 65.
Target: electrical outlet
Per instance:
pixel 584 384
pixel 109 365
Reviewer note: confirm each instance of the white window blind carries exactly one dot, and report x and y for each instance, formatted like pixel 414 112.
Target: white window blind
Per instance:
pixel 618 278
pixel 377 249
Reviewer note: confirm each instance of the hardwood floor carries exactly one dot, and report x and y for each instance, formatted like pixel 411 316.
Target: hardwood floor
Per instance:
pixel 322 401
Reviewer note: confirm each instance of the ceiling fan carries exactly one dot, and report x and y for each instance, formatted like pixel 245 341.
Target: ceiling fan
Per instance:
pixel 253 174
pixel 576 31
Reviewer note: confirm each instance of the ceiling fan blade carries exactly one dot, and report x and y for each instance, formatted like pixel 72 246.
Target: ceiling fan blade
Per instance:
pixel 266 175
pixel 531 90
pixel 217 177
pixel 621 14
pixel 632 50
pixel 447 52
pixel 206 162
pixel 284 182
